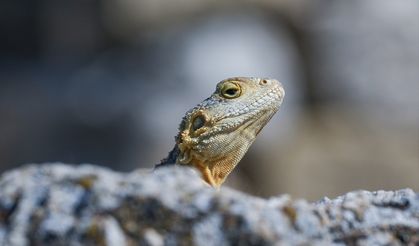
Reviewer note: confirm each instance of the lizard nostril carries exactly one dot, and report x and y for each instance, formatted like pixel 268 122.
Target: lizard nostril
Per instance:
pixel 263 82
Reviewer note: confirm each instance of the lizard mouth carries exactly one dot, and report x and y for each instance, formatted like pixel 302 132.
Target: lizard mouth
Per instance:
pixel 242 123
pixel 256 122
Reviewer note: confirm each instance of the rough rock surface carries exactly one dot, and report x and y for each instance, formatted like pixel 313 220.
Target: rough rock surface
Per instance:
pixel 58 204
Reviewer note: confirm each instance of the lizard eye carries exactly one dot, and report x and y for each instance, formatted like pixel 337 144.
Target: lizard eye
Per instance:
pixel 230 90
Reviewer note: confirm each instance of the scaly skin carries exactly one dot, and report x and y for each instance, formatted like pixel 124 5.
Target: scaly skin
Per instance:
pixel 214 136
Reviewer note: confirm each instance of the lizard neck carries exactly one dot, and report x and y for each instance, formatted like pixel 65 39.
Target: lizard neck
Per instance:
pixel 215 166
pixel 212 173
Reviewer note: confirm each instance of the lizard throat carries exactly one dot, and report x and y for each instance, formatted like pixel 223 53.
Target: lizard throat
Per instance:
pixel 217 156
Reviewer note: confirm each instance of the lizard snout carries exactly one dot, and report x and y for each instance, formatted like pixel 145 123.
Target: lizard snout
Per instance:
pixel 279 86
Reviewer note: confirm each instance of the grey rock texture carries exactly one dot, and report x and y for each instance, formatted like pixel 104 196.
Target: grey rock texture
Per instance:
pixel 57 204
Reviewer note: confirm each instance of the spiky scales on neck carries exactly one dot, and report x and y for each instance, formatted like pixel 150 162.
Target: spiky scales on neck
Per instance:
pixel 214 135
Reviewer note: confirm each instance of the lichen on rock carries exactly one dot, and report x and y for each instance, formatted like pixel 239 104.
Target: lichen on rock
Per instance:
pixel 57 204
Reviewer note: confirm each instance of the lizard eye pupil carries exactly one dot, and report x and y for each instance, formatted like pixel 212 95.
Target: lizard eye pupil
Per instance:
pixel 230 90
pixel 198 122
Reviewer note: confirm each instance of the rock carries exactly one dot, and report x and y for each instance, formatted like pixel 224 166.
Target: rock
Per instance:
pixel 57 204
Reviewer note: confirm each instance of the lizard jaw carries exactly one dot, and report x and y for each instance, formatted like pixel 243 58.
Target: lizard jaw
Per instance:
pixel 216 162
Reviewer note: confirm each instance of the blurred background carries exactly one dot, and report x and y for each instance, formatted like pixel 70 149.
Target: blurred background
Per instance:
pixel 107 82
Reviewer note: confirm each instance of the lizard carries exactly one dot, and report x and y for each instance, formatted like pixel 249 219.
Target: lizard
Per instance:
pixel 214 135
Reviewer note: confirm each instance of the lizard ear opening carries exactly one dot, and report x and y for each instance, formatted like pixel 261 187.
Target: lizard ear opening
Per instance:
pixel 198 122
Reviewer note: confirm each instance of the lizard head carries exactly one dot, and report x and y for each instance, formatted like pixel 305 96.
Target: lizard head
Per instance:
pixel 214 135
